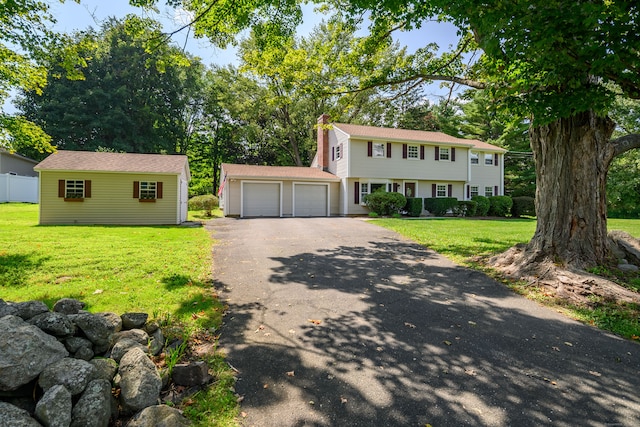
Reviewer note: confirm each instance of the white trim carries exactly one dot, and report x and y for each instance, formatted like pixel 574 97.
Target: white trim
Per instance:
pixel 293 195
pixel 258 182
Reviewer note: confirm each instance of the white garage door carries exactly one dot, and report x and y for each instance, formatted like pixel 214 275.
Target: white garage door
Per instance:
pixel 260 199
pixel 310 200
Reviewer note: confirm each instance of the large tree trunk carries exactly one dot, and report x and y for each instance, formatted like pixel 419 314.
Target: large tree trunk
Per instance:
pixel 572 158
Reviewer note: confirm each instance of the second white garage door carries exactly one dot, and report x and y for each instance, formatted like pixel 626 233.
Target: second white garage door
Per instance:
pixel 260 199
pixel 310 199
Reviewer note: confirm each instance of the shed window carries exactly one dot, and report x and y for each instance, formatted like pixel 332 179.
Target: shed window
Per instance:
pixel 147 191
pixel 74 190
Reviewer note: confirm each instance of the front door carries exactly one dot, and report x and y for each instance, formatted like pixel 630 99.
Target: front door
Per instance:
pixel 410 189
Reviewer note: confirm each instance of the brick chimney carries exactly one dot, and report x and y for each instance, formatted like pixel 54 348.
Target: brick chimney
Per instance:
pixel 323 142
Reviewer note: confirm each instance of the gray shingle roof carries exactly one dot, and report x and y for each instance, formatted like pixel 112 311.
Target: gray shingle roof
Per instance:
pixel 89 161
pixel 286 172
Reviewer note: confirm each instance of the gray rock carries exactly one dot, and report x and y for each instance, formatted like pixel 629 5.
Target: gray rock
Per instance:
pixel 137 335
pixel 134 320
pixel 626 244
pixel 151 327
pixel 159 416
pixel 190 374
pixel 26 310
pixel 84 353
pixel 15 417
pixel 628 267
pixel 54 408
pixel 26 352
pixel 106 369
pixel 139 383
pixel 68 306
pixel 73 344
pixel 7 308
pixel 93 409
pixel 52 323
pixel 123 346
pixel 74 374
pixel 156 342
pixel 97 329
pixel 113 320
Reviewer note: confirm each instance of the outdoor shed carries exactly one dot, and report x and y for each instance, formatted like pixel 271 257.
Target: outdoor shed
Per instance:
pixel 278 191
pixel 82 187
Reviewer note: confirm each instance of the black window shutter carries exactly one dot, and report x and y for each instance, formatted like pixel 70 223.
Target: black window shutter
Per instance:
pixel 388 149
pixel 159 190
pixel 136 189
pixel 422 152
pixel 468 191
pixel 495 159
pixel 433 190
pixel 495 190
pixel 369 149
pixel 449 190
pixel 453 154
pixel 333 153
pixel 404 151
pixel 437 154
pixel 356 193
pixel 87 188
pixel 61 187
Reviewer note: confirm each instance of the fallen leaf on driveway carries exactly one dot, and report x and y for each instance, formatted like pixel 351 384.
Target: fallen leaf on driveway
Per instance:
pixel 343 400
pixel 447 342
pixel 291 374
pixel 410 325
pixel 265 385
pixel 315 322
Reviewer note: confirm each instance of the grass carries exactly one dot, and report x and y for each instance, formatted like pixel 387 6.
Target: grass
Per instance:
pixel 463 240
pixel 162 270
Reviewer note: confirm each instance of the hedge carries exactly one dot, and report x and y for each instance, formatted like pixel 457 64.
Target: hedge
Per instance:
pixel 523 205
pixel 483 205
pixel 466 208
pixel 413 206
pixel 205 203
pixel 384 203
pixel 439 206
pixel 500 205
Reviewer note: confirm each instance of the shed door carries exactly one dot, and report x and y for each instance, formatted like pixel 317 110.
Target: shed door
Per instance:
pixel 260 199
pixel 310 200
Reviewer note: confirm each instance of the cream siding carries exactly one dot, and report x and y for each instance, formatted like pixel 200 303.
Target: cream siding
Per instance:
pixel 111 200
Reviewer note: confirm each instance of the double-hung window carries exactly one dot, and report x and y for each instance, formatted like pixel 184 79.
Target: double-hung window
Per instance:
pixel 441 190
pixel 488 159
pixel 412 151
pixel 488 191
pixel 338 151
pixel 474 191
pixel 474 158
pixel 444 154
pixel 364 190
pixel 378 149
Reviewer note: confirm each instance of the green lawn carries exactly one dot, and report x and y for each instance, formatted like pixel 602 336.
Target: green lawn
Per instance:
pixel 462 240
pixel 162 270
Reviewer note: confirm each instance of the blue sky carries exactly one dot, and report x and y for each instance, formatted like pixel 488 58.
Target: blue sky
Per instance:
pixel 73 16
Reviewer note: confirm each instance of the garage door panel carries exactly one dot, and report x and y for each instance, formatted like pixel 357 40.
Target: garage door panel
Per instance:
pixel 310 200
pixel 260 199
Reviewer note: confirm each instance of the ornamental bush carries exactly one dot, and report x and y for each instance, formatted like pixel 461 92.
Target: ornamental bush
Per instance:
pixel 439 206
pixel 465 208
pixel 523 205
pixel 384 203
pixel 500 205
pixel 483 205
pixel 413 206
pixel 206 202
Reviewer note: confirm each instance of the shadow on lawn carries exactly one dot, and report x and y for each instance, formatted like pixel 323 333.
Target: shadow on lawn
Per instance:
pixel 15 269
pixel 407 339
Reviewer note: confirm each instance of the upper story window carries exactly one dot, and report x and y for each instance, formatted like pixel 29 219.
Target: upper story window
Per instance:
pixel 412 151
pixel 473 156
pixel 488 159
pixel 378 149
pixel 338 151
pixel 444 153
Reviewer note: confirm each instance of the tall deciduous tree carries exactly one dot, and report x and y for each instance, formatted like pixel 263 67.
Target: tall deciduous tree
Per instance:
pixel 134 95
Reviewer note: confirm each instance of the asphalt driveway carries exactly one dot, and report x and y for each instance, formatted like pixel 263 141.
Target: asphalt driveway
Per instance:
pixel 337 322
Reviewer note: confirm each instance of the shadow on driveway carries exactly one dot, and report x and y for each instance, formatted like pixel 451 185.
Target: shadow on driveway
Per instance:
pixel 336 322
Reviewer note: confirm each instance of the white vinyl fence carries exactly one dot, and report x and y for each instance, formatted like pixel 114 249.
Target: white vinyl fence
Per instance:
pixel 16 188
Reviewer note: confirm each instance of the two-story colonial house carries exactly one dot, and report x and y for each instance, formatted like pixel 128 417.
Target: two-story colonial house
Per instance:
pixel 353 161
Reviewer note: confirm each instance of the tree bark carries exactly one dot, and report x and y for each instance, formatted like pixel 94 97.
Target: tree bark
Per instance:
pixel 572 158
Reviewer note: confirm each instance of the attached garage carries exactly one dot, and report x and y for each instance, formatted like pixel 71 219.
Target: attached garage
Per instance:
pixel 310 199
pixel 278 191
pixel 261 199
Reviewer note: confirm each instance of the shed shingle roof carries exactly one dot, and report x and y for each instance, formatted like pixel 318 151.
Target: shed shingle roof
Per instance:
pixel 359 131
pixel 89 161
pixel 285 172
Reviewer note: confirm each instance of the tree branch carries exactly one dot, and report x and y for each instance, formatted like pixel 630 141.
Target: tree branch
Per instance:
pixel 626 143
pixel 422 77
